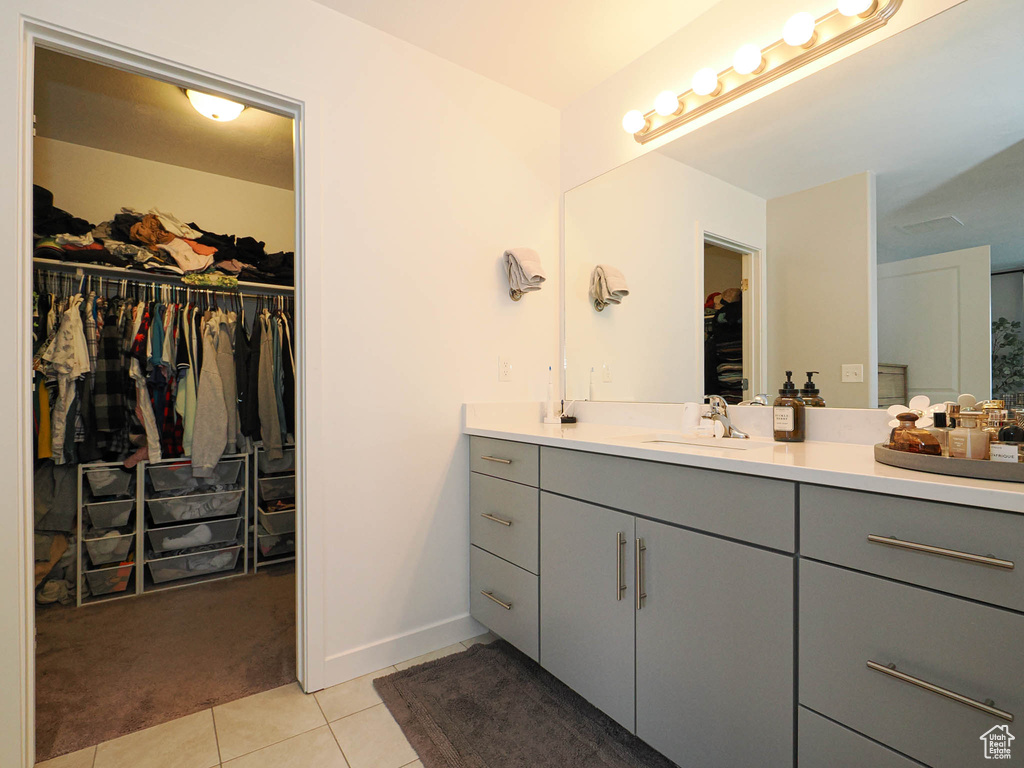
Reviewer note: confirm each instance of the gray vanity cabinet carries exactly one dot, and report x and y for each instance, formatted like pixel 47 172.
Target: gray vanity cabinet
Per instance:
pixel 587 602
pixel 714 650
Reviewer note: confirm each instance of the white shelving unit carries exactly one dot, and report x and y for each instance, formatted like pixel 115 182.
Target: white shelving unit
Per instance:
pixel 156 527
pixel 273 508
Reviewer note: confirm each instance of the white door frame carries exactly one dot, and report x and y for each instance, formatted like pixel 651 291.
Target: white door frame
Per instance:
pixel 309 609
pixel 755 309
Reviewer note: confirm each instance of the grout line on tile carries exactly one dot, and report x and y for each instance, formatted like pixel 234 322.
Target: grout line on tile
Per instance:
pixel 335 737
pixel 216 736
pixel 96 749
pixel 281 741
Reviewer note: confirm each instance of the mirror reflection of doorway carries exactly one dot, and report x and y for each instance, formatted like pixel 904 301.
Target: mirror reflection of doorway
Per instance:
pixel 726 335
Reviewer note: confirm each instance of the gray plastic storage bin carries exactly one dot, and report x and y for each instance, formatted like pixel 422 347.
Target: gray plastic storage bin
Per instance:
pixel 173 477
pixel 104 581
pixel 278 522
pixel 109 549
pixel 277 487
pixel 194 535
pixel 269 466
pixel 175 509
pixel 199 564
pixel 282 544
pixel 110 514
pixel 109 481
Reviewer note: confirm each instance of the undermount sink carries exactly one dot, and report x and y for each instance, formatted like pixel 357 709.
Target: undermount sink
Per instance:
pixel 668 438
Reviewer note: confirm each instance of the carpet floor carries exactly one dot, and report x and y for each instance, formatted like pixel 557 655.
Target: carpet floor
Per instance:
pixel 106 670
pixel 492 707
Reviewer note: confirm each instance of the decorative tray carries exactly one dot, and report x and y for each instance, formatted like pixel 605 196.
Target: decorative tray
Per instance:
pixel 941 465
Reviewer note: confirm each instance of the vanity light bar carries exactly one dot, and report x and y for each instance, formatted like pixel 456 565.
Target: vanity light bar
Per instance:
pixel 807 42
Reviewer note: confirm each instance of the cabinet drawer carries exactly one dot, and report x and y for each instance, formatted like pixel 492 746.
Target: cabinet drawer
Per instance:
pixel 502 458
pixel 503 519
pixel 739 506
pixel 848 619
pixel 835 525
pixel 823 744
pixel 516 620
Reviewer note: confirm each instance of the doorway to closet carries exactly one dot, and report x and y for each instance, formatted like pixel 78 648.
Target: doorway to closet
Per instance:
pixel 164 399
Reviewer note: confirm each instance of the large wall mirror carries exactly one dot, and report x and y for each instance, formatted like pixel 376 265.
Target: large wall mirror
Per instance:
pixel 866 222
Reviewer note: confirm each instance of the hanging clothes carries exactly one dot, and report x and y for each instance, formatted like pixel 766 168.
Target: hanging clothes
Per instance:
pixel 68 358
pixel 209 436
pixel 270 424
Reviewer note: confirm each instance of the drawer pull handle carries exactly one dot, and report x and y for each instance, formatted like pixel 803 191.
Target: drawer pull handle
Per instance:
pixel 641 576
pixel 984 706
pixel 892 541
pixel 496 459
pixel 494 519
pixel 620 552
pixel 490 596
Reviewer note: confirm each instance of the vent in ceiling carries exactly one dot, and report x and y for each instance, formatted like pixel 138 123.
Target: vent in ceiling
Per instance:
pixel 933 226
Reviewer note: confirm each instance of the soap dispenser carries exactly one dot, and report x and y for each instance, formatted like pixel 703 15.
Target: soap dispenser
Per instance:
pixel 788 413
pixel 809 393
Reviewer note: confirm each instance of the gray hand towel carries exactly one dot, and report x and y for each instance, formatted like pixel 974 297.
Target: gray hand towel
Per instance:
pixel 525 273
pixel 607 286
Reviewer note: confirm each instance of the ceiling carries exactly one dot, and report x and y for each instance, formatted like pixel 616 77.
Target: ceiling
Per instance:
pixel 935 112
pixel 81 102
pixel 552 50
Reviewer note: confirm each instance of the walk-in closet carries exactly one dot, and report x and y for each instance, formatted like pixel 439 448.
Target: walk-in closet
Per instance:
pixel 165 344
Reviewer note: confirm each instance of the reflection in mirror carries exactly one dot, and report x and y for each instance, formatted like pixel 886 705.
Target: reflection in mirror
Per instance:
pixel 879 202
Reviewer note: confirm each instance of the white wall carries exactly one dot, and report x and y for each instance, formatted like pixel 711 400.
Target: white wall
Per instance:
pixel 643 218
pixel 821 288
pixel 592 137
pixel 407 217
pixel 94 184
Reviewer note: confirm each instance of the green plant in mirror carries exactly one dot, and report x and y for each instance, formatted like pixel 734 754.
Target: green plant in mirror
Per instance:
pixel 1007 358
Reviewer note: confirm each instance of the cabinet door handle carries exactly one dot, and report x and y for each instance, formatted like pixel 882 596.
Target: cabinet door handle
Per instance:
pixel 496 459
pixel 988 707
pixel 620 553
pixel 495 519
pixel 641 577
pixel 490 596
pixel 892 541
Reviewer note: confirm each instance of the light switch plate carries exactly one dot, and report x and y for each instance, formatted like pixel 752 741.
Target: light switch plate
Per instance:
pixel 606 374
pixel 504 369
pixel 853 373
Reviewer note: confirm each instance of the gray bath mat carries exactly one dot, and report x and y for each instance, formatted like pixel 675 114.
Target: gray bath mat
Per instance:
pixel 492 707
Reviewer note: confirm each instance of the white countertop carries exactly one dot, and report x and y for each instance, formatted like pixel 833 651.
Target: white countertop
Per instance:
pixel 840 465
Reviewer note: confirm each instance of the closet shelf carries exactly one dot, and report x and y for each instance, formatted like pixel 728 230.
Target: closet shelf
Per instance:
pixel 100 270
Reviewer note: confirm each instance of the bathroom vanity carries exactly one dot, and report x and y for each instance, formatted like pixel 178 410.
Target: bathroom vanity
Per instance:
pixel 770 606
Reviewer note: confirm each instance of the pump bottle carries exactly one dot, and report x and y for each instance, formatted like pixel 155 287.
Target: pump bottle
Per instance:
pixel 788 413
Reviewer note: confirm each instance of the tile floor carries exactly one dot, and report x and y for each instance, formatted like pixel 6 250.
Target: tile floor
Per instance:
pixel 346 726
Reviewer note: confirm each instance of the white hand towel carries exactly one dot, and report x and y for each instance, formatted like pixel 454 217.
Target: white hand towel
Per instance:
pixel 525 273
pixel 607 286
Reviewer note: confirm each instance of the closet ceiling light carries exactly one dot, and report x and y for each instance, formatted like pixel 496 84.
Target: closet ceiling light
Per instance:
pixel 214 107
pixel 805 39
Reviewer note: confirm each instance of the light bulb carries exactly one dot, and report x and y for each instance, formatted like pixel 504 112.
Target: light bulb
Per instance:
pixel 857 7
pixel 666 103
pixel 214 107
pixel 633 121
pixel 799 31
pixel 705 82
pixel 748 60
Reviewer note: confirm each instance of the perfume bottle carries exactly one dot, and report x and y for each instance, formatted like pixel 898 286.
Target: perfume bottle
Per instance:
pixel 941 432
pixel 968 440
pixel 910 438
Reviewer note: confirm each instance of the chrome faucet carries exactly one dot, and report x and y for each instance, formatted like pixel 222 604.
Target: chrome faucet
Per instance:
pixel 718 410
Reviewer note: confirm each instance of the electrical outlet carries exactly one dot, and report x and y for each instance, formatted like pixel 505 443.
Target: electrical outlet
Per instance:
pixel 606 374
pixel 853 373
pixel 504 369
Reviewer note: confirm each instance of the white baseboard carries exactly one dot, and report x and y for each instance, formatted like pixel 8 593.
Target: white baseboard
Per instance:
pixel 393 650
